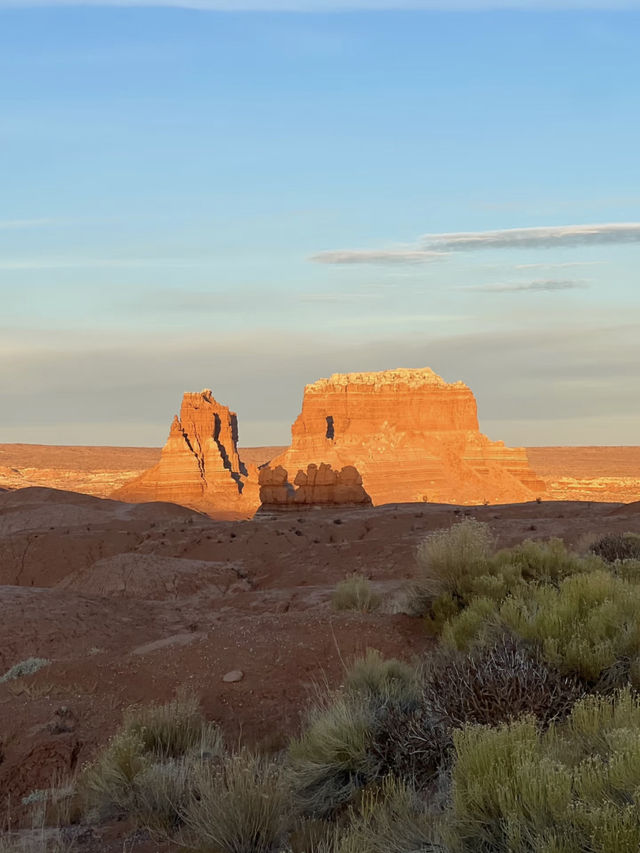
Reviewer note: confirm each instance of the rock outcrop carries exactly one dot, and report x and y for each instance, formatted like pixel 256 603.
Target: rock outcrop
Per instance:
pixel 317 486
pixel 199 465
pixel 411 435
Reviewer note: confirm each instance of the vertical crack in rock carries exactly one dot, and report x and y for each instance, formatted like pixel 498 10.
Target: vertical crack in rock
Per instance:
pixel 199 465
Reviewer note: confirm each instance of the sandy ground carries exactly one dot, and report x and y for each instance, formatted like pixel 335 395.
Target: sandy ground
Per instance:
pixel 130 602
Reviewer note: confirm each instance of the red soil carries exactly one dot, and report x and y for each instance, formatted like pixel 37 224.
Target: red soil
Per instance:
pixel 129 602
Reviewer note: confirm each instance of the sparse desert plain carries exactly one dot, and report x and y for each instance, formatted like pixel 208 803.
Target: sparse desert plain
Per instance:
pixel 570 473
pixel 127 603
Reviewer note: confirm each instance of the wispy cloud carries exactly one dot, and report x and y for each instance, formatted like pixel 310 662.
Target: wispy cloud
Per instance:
pixel 432 247
pixel 384 256
pixel 341 5
pixel 539 285
pixel 557 266
pixel 550 237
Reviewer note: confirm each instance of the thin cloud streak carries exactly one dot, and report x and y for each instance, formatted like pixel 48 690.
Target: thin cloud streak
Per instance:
pixel 538 286
pixel 437 246
pixel 557 236
pixel 366 256
pixel 557 266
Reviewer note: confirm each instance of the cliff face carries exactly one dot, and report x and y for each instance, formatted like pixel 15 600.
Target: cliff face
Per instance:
pixel 411 435
pixel 317 486
pixel 199 465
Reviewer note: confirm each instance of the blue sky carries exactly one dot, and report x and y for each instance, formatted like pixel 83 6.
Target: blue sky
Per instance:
pixel 249 201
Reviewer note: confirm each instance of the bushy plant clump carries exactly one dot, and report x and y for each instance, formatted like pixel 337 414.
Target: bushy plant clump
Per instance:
pixel 241 805
pixel 391 818
pixel 355 593
pixel 587 625
pixel 146 769
pixel 574 788
pixel 383 679
pixel 396 719
pixel 617 547
pixel 25 667
pixel 497 683
pixel 459 564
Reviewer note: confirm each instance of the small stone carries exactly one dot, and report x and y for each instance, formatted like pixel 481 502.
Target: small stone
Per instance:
pixel 234 675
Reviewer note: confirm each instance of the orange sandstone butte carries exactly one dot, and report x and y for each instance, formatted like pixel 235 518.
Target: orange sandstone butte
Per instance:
pixel 412 437
pixel 199 466
pixel 409 435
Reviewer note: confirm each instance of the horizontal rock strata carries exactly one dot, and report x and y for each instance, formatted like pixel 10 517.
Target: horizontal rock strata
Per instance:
pixel 411 435
pixel 199 466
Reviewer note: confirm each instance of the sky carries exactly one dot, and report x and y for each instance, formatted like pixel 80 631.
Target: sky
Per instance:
pixel 249 196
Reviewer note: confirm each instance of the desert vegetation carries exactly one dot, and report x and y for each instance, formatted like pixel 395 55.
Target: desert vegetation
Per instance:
pixel 355 593
pixel 520 731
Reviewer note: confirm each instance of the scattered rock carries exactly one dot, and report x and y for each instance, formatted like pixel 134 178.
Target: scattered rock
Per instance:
pixel 233 676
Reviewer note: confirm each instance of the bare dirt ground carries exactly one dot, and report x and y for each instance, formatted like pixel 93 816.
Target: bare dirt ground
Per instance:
pixel 130 602
pixel 571 473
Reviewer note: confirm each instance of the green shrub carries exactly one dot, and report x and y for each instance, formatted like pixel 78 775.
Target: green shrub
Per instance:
pixel 448 558
pixel 382 679
pixel 629 570
pixel 161 792
pixel 388 818
pixel 239 806
pixel 331 759
pixel 587 626
pixel 25 667
pixel 355 593
pixel 457 565
pixel 173 729
pixel 617 547
pixel 391 819
pixel 148 759
pixel 575 788
pixel 494 684
pixel 312 835
pixel 341 750
pixel 546 561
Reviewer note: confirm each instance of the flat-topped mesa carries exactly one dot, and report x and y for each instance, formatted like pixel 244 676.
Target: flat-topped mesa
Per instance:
pixel 199 465
pixel 318 486
pixel 411 435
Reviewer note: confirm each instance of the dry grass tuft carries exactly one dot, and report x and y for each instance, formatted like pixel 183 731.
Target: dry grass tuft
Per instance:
pixel 355 593
pixel 241 805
